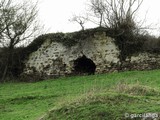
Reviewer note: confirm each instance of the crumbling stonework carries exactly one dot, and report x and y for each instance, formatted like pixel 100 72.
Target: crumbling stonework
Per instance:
pixel 142 61
pixel 56 59
pixel 97 53
pixel 145 61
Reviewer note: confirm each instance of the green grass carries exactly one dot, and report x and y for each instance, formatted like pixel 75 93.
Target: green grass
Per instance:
pixel 97 97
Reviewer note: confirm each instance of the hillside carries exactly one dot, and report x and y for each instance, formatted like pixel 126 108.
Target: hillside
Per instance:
pixel 97 97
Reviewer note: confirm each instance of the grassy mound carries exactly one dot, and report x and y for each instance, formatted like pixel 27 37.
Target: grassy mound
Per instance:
pixel 97 97
pixel 104 106
pixel 98 107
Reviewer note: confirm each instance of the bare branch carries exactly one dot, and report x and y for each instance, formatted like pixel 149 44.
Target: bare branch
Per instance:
pixel 18 20
pixel 115 13
pixel 81 20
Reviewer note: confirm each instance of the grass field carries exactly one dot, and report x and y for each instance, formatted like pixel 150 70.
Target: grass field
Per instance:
pixel 97 97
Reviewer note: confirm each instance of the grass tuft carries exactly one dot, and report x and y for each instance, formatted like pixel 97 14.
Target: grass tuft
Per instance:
pixel 136 89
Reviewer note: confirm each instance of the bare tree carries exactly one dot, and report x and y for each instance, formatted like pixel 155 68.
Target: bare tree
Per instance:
pixel 114 13
pixel 98 8
pixel 18 22
pixel 81 20
pixel 17 25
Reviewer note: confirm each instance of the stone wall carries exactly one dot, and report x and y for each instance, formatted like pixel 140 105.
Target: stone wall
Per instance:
pixel 56 59
pixel 145 61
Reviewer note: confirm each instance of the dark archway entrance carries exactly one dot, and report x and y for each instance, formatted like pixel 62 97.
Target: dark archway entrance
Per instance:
pixel 84 65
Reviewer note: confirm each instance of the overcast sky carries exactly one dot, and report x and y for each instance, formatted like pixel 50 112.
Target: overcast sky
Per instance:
pixel 55 14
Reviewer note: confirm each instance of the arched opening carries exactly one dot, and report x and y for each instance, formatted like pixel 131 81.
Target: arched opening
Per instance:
pixel 84 65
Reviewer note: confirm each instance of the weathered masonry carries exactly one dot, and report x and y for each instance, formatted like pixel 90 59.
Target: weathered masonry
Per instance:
pixel 96 54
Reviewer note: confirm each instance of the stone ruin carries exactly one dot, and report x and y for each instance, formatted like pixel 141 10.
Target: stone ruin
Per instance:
pixel 96 54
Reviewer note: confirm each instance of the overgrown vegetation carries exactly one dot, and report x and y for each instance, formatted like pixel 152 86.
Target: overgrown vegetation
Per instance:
pixel 105 96
pixel 67 39
pixel 15 65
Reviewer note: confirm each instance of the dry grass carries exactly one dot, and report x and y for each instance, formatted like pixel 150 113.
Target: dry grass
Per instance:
pixel 135 89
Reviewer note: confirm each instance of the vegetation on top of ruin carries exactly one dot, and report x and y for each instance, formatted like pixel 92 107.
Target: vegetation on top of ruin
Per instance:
pixel 133 43
pixel 67 39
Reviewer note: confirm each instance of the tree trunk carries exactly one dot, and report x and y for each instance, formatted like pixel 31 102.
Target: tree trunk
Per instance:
pixel 9 53
pixel 5 73
pixel 100 23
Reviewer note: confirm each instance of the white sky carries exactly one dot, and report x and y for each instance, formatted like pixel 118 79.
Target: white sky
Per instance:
pixel 55 14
